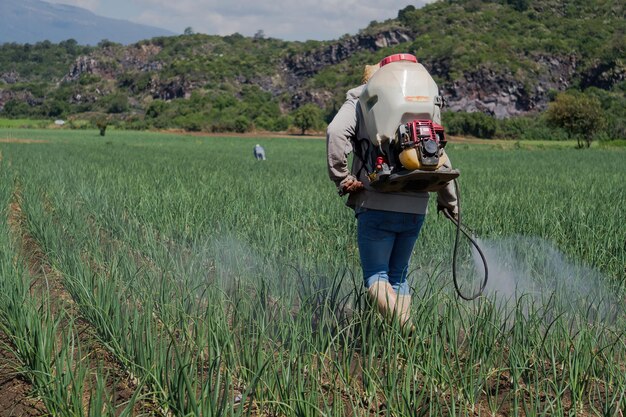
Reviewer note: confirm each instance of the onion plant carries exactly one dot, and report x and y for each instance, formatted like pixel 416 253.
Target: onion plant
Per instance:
pixel 231 287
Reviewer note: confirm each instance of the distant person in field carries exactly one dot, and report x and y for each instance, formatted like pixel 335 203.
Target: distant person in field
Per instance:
pixel 259 153
pixel 388 223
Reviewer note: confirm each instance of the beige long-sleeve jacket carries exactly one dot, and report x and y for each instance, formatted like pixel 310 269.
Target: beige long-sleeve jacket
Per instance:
pixel 345 132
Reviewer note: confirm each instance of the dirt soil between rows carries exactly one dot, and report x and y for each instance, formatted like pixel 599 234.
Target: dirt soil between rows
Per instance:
pixel 16 392
pixel 120 385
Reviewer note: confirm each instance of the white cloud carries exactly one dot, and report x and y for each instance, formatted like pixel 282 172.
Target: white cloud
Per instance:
pixel 284 19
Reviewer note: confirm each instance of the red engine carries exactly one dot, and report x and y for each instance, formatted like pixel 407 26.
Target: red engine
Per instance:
pixel 422 131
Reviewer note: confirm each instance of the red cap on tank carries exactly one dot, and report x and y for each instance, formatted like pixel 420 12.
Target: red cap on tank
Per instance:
pixel 396 58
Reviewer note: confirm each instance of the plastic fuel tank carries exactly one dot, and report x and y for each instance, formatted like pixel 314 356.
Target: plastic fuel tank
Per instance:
pixel 400 91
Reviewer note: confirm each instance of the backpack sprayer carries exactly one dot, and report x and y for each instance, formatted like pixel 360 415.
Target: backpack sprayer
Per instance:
pixel 401 107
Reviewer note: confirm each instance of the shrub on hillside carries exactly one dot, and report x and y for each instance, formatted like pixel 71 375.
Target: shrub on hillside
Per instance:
pixel 529 128
pixel 115 103
pixel 16 108
pixel 476 124
pixel 613 105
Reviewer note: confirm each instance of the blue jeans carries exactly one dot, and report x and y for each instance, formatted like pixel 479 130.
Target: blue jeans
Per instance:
pixel 386 240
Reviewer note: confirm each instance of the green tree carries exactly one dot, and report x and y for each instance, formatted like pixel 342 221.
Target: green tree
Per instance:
pixel 102 124
pixel 116 103
pixel 308 116
pixel 403 15
pixel 55 108
pixel 580 115
pixel 241 124
pixel 156 108
pixel 519 5
pixel 16 108
pixel 105 43
pixel 70 45
pixel 476 124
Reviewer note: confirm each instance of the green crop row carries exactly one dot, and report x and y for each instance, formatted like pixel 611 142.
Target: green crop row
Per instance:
pixel 229 286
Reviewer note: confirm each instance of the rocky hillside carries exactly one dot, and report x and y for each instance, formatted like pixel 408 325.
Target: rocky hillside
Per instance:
pixel 504 58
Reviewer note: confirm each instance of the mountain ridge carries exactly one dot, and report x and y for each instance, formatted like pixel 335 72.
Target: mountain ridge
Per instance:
pixel 31 21
pixel 488 57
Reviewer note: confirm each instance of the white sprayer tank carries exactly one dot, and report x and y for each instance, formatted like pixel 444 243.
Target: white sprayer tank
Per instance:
pixel 399 92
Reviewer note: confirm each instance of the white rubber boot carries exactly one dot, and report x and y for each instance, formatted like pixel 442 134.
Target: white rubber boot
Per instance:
pixel 403 312
pixel 382 294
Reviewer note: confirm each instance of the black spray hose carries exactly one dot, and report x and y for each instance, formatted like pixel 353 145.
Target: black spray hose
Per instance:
pixel 459 229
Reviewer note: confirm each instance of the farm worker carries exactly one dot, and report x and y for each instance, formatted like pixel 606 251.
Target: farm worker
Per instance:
pixel 388 224
pixel 259 152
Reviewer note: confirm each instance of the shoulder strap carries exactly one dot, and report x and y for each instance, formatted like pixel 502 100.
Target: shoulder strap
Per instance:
pixel 362 150
pixel 362 147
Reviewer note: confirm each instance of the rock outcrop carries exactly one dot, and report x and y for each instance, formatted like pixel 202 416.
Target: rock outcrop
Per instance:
pixel 297 68
pixel 111 62
pixel 170 89
pixel 491 88
pixel 309 64
pixel 503 94
pixel 604 75
pixel 10 77
pixel 18 96
pixel 496 92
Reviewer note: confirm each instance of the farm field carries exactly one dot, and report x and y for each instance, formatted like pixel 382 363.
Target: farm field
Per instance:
pixel 163 274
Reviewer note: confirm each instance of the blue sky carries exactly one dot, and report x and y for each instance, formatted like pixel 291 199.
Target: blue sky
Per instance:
pixel 284 19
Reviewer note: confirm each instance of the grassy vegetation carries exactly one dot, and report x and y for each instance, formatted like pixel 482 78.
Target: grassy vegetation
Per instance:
pixel 231 287
pixel 23 123
pixel 234 83
pixel 40 62
pixel 500 33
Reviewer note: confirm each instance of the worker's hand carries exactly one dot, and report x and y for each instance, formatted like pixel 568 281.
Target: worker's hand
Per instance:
pixel 351 186
pixel 444 209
